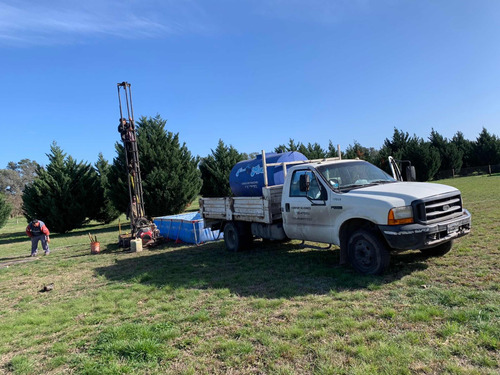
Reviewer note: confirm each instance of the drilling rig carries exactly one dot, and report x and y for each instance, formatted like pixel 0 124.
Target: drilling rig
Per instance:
pixel 140 226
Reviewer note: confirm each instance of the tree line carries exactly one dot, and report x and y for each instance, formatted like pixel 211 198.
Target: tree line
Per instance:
pixel 68 193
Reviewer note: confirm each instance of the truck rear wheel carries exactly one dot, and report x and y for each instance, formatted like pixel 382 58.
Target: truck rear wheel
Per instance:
pixel 236 236
pixel 367 252
pixel 438 250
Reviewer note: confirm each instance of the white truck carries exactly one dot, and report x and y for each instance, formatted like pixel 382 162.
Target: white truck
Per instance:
pixel 349 203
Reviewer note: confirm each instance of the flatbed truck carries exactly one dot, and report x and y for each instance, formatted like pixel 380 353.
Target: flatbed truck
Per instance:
pixel 349 203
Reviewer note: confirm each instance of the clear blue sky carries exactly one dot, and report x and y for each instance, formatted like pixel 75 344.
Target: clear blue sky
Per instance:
pixel 253 73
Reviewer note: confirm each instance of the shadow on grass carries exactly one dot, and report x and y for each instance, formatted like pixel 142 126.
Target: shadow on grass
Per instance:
pixel 90 228
pixel 15 237
pixel 268 270
pixel 104 249
pixel 8 259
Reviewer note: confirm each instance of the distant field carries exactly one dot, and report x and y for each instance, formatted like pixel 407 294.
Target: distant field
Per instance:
pixel 278 309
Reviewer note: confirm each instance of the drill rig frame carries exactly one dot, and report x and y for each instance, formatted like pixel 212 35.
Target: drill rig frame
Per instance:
pixel 141 227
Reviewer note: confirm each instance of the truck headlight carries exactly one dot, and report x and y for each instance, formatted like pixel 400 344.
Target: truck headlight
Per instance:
pixel 400 215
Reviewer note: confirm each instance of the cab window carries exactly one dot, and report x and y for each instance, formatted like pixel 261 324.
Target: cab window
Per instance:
pixel 315 191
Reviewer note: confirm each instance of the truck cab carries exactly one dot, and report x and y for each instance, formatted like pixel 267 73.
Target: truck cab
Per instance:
pixel 368 213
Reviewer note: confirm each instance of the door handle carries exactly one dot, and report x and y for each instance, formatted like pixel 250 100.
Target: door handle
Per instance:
pixel 287 207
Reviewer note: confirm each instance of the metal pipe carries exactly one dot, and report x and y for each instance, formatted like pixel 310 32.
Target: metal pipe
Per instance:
pixel 120 102
pixel 128 107
pixel 264 166
pixel 131 107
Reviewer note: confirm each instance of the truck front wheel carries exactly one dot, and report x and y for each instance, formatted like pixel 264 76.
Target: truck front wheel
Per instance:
pixel 236 237
pixel 367 252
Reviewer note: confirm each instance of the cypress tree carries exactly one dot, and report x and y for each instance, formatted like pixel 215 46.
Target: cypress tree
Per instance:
pixel 63 194
pixel 358 151
pixel 424 157
pixel 421 154
pixel 398 143
pixel 106 211
pixel 395 147
pixel 487 149
pixel 215 170
pixel 170 176
pixel 332 151
pixel 5 209
pixel 292 146
pixel 117 180
pixel 449 154
pixel 466 147
pixel 312 151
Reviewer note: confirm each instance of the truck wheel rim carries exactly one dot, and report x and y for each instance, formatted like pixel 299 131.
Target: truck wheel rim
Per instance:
pixel 231 237
pixel 363 252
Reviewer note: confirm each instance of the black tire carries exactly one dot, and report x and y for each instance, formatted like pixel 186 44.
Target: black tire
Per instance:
pixel 439 250
pixel 236 236
pixel 367 253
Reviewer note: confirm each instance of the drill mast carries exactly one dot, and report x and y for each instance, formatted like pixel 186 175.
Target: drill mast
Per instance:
pixel 141 227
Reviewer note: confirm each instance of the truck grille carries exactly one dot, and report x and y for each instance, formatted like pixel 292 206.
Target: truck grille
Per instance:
pixel 438 208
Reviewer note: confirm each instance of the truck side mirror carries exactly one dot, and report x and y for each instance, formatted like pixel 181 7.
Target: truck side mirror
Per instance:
pixel 304 182
pixel 411 175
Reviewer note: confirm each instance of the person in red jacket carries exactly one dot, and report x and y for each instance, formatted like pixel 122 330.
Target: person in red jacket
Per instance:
pixel 38 231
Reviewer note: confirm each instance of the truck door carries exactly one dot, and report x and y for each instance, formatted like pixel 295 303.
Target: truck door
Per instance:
pixel 306 214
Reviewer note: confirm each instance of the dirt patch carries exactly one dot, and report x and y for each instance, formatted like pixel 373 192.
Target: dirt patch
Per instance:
pixel 17 261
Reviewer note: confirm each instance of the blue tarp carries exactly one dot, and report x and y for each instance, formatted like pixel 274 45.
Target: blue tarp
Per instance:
pixel 186 227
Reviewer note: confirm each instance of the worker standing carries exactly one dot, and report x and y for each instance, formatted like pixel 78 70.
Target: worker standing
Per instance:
pixel 38 231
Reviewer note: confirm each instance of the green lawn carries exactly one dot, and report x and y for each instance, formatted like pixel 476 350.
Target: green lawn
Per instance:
pixel 278 309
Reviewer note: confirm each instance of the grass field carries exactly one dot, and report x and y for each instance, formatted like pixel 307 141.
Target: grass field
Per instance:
pixel 277 309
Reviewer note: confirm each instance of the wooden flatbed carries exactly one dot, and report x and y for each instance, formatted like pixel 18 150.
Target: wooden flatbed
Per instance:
pixel 265 209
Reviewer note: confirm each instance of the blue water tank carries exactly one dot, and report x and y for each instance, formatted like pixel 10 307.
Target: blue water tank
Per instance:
pixel 247 177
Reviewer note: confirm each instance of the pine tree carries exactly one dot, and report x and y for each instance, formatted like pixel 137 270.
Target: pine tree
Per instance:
pixel 487 149
pixel 424 157
pixel 363 153
pixel 312 151
pixel 170 176
pixel 5 209
pixel 215 170
pixel 332 151
pixel 466 147
pixel 398 143
pixel 421 154
pixel 449 154
pixel 395 147
pixel 63 194
pixel 292 146
pixel 117 181
pixel 106 212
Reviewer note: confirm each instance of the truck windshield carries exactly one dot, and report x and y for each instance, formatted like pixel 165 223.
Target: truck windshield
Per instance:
pixel 353 175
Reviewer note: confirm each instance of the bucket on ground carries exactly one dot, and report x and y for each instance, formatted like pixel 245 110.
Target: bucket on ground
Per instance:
pixel 95 247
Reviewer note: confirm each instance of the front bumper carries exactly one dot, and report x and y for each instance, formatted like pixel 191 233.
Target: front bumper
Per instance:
pixel 420 236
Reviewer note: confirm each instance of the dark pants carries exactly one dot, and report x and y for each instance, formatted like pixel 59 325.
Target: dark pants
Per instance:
pixel 34 244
